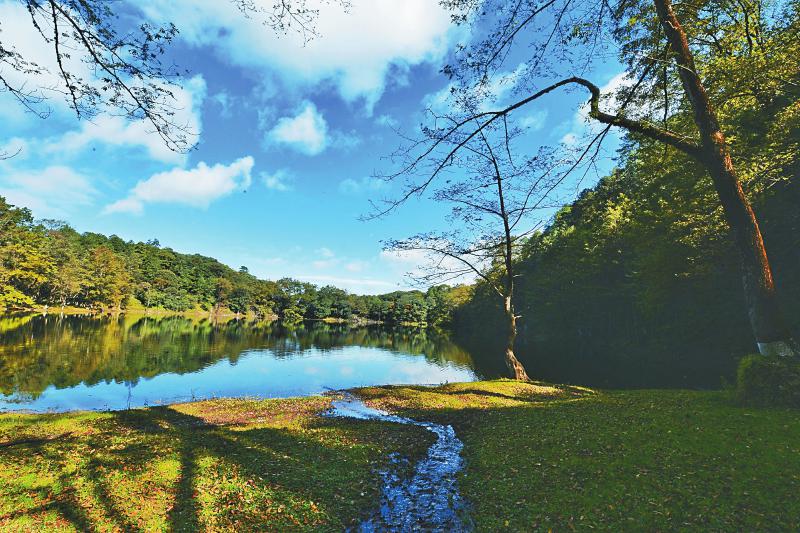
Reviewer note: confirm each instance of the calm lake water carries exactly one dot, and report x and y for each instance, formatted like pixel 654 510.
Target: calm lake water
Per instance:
pixel 53 363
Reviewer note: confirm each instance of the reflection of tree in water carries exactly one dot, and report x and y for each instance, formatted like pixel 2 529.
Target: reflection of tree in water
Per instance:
pixel 39 351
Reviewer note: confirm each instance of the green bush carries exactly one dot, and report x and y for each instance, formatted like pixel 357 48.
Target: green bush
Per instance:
pixel 768 381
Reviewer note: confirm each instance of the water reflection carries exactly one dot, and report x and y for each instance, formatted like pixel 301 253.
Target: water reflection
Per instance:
pixel 64 363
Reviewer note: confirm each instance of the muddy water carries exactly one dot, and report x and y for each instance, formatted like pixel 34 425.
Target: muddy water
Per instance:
pixel 429 499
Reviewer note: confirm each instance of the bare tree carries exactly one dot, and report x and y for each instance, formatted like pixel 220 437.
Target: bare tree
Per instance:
pixel 498 202
pixel 656 46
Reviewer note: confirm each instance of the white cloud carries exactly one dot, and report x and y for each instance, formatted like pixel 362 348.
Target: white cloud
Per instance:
pixel 277 181
pixel 414 263
pixel 307 132
pixel 18 30
pixel 196 187
pixel 387 120
pixel 328 261
pixel 52 192
pixel 356 50
pixel 354 285
pixel 117 131
pixel 496 94
pixel 534 121
pixel 582 124
pixel 359 186
pixel 356 266
pixel 345 140
pixel 225 102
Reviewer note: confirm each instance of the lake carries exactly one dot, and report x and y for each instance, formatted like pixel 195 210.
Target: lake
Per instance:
pixel 63 363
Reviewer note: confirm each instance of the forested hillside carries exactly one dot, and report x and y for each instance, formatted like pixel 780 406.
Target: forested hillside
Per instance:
pixel 638 279
pixel 49 263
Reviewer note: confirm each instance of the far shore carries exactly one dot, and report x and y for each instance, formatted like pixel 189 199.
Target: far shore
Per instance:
pixel 192 313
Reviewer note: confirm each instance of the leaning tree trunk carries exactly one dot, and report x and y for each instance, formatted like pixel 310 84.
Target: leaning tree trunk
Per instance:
pixel 769 327
pixel 514 366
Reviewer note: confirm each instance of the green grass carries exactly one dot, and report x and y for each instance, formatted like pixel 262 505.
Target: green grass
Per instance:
pixel 217 465
pixel 633 460
pixel 538 457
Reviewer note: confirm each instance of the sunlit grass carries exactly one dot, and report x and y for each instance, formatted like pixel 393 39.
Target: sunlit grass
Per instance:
pixel 216 465
pixel 538 457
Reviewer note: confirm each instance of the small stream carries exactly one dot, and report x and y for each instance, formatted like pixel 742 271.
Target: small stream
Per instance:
pixel 428 500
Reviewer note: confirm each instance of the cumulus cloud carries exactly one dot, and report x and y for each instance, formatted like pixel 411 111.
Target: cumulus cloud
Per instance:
pixel 196 187
pixel 277 181
pixel 391 33
pixel 116 131
pixel 306 132
pixel 51 192
pixel 354 186
pixel 18 30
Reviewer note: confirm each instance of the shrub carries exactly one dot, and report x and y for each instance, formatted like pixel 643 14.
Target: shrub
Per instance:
pixel 768 381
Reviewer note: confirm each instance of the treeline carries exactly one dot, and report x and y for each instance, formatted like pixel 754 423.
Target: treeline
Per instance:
pixel 49 263
pixel 637 282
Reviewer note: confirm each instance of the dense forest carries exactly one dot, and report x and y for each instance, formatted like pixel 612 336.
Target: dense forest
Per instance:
pixel 49 263
pixel 639 276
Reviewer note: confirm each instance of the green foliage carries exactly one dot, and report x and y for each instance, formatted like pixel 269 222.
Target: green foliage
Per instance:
pixel 768 381
pixel 50 263
pixel 11 298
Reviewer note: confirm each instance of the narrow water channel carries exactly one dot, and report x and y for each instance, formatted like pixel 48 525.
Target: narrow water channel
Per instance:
pixel 429 499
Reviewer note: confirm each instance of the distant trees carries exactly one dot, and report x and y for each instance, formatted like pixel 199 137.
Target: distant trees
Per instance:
pixel 49 263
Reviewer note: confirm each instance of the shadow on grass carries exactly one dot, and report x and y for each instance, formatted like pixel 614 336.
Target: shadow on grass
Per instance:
pixel 162 469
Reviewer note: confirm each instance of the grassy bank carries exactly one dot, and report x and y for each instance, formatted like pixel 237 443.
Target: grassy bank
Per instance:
pixel 538 457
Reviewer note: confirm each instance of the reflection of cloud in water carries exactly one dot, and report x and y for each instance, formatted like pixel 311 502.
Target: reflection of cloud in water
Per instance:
pixel 258 373
pixel 417 373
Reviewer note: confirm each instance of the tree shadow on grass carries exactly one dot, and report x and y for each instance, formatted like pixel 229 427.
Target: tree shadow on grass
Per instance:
pixel 163 469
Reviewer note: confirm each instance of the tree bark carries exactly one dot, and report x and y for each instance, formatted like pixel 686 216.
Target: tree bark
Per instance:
pixel 514 366
pixel 766 319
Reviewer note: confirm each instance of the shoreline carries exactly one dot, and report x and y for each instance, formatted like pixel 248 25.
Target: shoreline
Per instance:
pixel 196 314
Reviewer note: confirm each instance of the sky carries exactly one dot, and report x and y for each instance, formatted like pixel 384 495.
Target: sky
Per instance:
pixel 289 136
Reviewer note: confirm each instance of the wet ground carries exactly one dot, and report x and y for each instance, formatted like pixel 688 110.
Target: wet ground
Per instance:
pixel 429 499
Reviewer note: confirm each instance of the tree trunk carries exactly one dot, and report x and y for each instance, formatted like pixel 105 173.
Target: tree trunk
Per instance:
pixel 769 327
pixel 515 368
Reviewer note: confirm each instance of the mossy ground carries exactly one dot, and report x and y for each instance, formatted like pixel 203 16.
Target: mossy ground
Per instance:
pixel 538 457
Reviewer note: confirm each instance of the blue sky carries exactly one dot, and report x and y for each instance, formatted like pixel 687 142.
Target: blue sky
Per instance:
pixel 289 136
